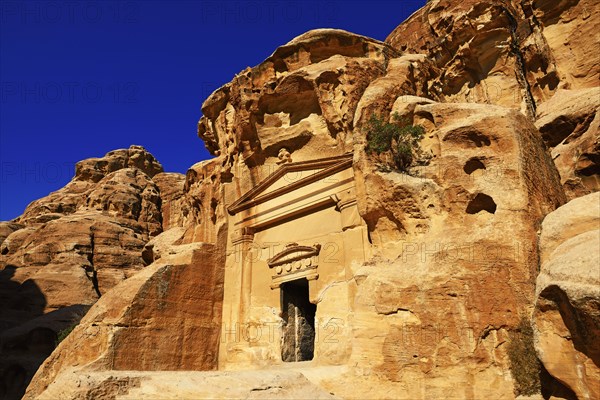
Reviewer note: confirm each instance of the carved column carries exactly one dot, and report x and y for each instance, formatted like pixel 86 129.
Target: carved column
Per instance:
pixel 354 239
pixel 245 239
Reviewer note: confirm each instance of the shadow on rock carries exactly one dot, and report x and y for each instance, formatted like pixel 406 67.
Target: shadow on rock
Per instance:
pixel 27 335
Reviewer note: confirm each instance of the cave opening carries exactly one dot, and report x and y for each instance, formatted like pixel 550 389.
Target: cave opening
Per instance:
pixel 481 202
pixel 472 165
pixel 298 313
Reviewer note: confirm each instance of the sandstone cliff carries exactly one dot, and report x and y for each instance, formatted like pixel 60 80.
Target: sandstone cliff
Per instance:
pixel 71 247
pixel 507 94
pixel 535 56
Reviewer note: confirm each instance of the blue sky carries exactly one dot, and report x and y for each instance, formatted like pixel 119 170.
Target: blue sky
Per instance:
pixel 81 78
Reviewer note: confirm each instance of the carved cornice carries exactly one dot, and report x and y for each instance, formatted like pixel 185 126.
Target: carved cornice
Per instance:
pixel 344 199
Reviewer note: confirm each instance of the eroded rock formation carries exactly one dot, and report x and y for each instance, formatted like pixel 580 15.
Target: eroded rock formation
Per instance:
pixel 68 249
pixel 513 53
pixel 569 123
pixel 438 293
pixel 166 317
pixel 567 307
pixel 535 56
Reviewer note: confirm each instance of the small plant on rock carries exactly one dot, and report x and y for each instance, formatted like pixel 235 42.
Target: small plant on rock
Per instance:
pixel 64 333
pixel 399 138
pixel 524 365
pixel 75 319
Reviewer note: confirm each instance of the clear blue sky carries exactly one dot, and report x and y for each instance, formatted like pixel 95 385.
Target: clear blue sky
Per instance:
pixel 81 78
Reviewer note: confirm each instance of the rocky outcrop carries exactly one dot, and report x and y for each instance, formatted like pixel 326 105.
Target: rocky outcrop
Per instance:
pixel 99 174
pixel 570 125
pixel 6 228
pixel 94 169
pixel 530 55
pixel 167 317
pixel 567 307
pixel 515 53
pixel 438 299
pixel 304 98
pixel 170 185
pixel 71 247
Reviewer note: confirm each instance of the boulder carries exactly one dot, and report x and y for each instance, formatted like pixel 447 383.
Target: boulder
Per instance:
pixel 566 316
pixel 166 317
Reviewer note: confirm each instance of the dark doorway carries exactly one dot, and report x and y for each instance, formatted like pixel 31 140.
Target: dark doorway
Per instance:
pixel 298 342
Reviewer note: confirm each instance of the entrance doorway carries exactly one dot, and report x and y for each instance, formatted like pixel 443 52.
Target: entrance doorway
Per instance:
pixel 298 313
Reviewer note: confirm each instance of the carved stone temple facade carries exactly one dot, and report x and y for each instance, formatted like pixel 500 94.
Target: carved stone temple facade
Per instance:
pixel 288 289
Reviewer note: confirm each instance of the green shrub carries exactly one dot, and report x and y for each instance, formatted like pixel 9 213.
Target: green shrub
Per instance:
pixel 524 364
pixel 400 138
pixel 64 333
pixel 75 319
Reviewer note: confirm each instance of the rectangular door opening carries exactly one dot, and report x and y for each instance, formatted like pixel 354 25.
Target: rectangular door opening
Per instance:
pixel 298 313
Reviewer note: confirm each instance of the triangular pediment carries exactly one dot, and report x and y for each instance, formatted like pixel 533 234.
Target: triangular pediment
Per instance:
pixel 289 177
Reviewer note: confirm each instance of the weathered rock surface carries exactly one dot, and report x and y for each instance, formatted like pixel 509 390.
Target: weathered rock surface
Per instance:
pixel 94 169
pixel 147 311
pixel 567 308
pixel 166 317
pixel 439 299
pixel 69 248
pixel 6 228
pixel 534 56
pixel 302 98
pixel 570 125
pixel 192 385
pixel 170 185
pixel 512 53
pixel 88 175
